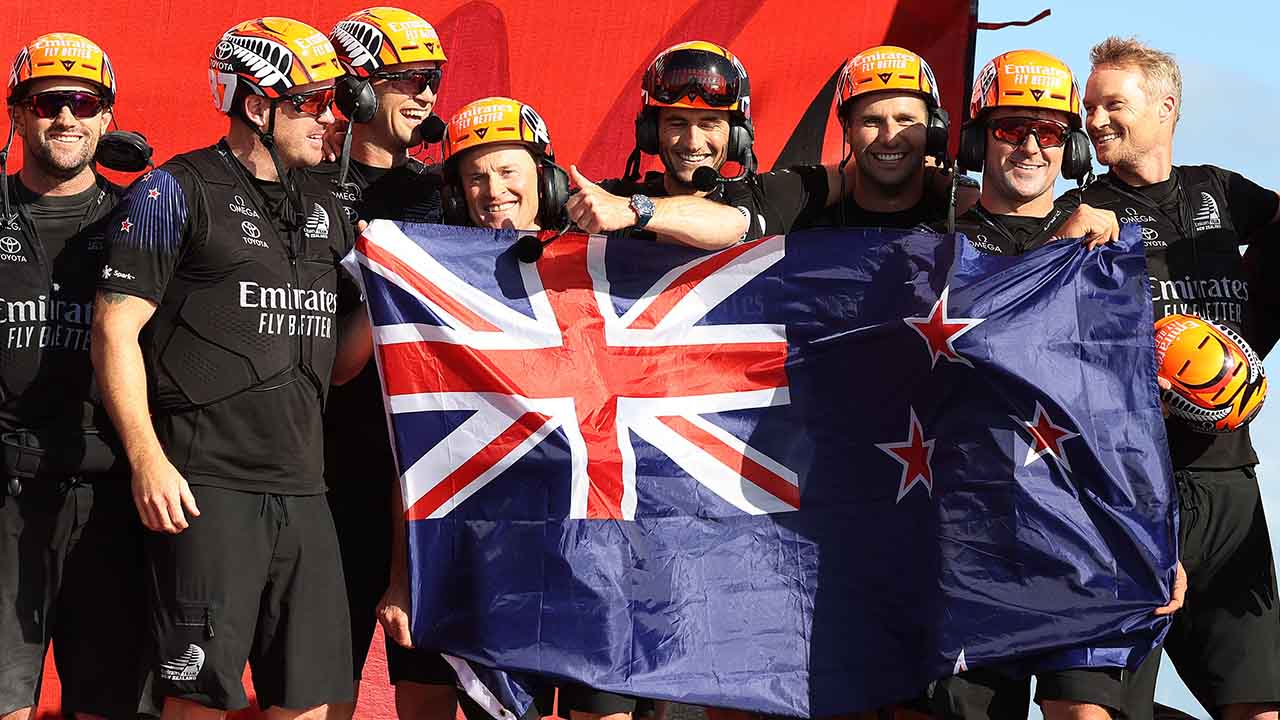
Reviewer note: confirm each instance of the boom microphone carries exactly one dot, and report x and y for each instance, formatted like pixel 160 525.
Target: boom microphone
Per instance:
pixel 529 248
pixel 431 130
pixel 706 178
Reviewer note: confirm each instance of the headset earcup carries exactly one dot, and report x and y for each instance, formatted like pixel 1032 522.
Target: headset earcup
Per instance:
pixel 1077 156
pixel 454 205
pixel 939 133
pixel 973 146
pixel 647 132
pixel 553 194
pixel 356 99
pixel 742 138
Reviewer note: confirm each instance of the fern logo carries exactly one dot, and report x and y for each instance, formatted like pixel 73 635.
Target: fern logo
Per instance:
pixel 317 226
pixel 268 61
pixel 361 42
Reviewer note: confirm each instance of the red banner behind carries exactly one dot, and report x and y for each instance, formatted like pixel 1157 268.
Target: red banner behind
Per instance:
pixel 578 63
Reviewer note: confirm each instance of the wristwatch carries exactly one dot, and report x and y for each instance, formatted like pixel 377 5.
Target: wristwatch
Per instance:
pixel 643 207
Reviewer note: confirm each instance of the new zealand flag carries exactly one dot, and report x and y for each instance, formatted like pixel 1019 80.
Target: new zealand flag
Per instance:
pixel 802 475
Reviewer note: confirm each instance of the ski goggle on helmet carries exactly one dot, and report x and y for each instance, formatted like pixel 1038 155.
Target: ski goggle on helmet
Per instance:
pixel 378 37
pixel 61 55
pixel 697 74
pixel 1026 79
pixel 885 68
pixel 494 120
pixel 270 56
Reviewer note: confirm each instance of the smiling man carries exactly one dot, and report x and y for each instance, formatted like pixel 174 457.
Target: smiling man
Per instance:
pixel 891 117
pixel 218 318
pixel 399 58
pixel 695 112
pixel 1226 642
pixel 70 554
pixel 1024 131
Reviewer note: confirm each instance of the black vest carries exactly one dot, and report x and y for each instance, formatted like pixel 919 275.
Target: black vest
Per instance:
pixel 253 305
pixel 1194 268
pixel 41 320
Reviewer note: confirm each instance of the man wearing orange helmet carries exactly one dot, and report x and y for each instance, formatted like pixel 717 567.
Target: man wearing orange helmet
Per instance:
pixel 218 323
pixel 70 548
pixel 892 119
pixel 1024 131
pixel 1226 641
pixel 394 62
pixel 695 113
pixel 500 173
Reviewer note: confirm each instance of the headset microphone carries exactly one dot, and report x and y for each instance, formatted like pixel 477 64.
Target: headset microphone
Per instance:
pixel 705 179
pixel 431 130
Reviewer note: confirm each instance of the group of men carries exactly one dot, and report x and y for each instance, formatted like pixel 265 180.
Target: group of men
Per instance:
pixel 219 319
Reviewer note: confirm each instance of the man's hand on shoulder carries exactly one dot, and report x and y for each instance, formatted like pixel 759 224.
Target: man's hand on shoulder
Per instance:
pixel 1095 227
pixel 595 209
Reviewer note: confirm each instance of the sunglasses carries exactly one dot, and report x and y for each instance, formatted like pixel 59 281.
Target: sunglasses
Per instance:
pixel 49 104
pixel 313 103
pixel 711 77
pixel 1014 130
pixel 416 80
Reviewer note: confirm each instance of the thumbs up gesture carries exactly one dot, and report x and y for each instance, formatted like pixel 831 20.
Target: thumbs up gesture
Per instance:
pixel 595 209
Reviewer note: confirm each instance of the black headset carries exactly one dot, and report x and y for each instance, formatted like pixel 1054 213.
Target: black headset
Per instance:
pixel 1077 154
pixel 742 135
pixel 553 193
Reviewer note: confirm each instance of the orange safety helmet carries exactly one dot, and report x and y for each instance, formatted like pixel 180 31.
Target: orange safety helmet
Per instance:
pixel 1026 78
pixel 697 74
pixel 61 55
pixel 495 120
pixel 374 38
pixel 269 56
pixel 885 68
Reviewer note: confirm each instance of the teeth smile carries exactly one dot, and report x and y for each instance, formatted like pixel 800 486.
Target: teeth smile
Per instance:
pixel 888 157
pixel 692 158
pixel 1107 138
pixel 499 207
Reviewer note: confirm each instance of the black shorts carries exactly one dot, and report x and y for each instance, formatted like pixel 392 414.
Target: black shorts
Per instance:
pixel 71 571
pixel 1225 641
pixel 362 517
pixel 256 577
pixel 589 700
pixel 989 694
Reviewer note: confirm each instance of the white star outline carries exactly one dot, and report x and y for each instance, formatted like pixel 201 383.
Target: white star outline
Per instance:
pixel 941 307
pixel 905 484
pixel 1056 451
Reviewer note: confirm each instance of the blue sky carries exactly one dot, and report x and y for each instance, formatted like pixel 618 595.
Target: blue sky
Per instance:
pixel 1230 98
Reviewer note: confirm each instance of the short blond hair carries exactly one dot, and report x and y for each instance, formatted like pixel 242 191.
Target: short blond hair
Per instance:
pixel 1160 70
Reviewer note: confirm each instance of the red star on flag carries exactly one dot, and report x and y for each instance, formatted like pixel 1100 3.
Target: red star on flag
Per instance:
pixel 914 454
pixel 940 332
pixel 153 193
pixel 1046 438
pixel 125 225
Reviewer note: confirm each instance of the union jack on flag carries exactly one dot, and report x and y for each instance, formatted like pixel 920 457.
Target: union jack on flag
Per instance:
pixel 558 354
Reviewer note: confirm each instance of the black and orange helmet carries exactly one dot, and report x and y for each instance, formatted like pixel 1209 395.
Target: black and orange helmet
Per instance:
pixel 374 38
pixel 495 120
pixel 61 55
pixel 269 56
pixel 697 74
pixel 885 68
pixel 1218 382
pixel 1026 78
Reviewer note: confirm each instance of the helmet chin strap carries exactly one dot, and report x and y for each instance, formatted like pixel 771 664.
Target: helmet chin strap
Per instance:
pixel 295 214
pixel 4 174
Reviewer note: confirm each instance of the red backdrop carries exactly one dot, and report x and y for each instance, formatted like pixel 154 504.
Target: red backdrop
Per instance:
pixel 579 63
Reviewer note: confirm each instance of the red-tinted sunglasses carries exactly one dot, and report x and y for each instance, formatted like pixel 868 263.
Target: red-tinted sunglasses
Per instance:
pixel 416 80
pixel 1014 130
pixel 312 103
pixel 49 104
